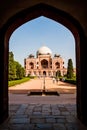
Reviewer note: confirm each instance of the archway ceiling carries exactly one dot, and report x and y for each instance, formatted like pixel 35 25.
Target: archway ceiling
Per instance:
pixel 77 9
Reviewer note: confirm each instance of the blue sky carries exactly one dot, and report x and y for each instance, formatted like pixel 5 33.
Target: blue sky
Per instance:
pixel 29 37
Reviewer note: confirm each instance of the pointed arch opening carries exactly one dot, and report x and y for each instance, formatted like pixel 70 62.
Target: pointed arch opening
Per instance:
pixel 61 17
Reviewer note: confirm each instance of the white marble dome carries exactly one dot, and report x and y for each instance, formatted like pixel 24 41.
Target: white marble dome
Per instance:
pixel 44 50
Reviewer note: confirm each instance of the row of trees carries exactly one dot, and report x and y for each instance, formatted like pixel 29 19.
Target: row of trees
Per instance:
pixel 16 71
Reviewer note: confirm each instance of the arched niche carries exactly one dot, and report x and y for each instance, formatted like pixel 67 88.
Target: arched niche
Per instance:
pixel 44 64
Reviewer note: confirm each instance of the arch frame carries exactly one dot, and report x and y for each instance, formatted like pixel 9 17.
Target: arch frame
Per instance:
pixel 80 41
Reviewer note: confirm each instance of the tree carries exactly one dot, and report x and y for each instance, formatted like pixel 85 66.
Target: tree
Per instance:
pixel 19 70
pixel 12 68
pixel 70 69
pixel 16 71
pixel 58 74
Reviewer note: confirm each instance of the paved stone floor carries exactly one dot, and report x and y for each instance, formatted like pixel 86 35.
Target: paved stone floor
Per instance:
pixel 42 117
pixel 41 112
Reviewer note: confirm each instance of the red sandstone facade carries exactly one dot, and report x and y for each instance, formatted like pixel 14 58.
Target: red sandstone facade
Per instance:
pixel 44 63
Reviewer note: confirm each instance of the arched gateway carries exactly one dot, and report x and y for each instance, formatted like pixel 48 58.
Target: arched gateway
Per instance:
pixel 59 11
pixel 44 73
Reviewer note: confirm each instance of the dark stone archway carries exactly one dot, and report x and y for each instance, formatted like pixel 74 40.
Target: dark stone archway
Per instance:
pixel 80 41
pixel 44 64
pixel 44 73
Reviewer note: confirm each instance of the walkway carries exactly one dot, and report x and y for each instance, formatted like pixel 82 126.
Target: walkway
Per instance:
pixel 19 93
pixel 38 84
pixel 41 112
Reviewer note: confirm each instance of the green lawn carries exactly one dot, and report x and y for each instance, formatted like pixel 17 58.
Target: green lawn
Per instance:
pixel 15 82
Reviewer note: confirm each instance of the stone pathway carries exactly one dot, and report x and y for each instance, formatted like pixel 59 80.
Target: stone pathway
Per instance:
pixel 38 84
pixel 25 99
pixel 41 112
pixel 42 117
pixel 19 94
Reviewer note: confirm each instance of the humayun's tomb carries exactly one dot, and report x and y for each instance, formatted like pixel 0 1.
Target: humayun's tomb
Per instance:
pixel 44 63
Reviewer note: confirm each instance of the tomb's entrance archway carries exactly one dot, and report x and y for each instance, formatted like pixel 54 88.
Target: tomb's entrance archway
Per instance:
pixel 80 41
pixel 44 64
pixel 44 73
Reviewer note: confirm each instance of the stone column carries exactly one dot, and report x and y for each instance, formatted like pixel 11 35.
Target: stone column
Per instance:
pixel 81 70
pixel 3 77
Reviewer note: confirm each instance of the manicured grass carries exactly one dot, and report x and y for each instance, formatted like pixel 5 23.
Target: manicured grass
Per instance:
pixel 15 82
pixel 71 81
